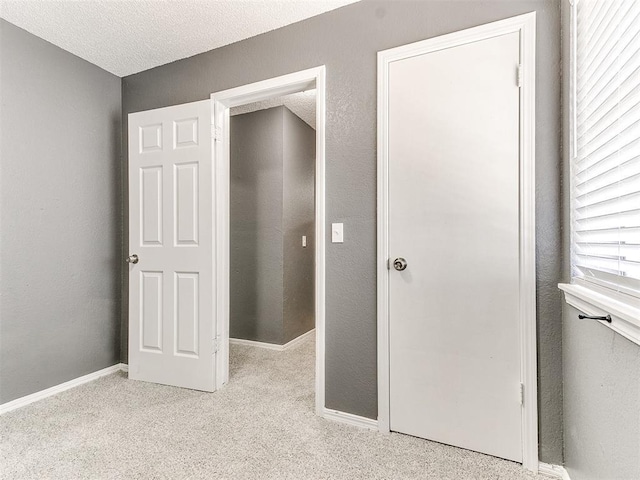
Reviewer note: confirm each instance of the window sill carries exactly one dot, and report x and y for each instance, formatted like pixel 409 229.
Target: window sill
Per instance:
pixel 625 314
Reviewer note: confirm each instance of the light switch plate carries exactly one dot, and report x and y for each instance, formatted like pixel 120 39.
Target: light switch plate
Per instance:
pixel 304 240
pixel 337 233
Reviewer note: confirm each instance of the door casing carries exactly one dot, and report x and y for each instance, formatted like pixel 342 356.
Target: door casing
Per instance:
pixel 222 102
pixel 525 26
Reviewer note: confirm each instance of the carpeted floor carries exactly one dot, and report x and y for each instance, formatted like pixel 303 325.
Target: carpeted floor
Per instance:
pixel 260 426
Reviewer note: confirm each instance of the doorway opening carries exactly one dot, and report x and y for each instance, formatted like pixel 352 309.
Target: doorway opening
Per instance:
pixel 271 219
pixel 244 101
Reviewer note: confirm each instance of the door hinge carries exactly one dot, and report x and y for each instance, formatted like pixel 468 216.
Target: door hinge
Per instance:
pixel 215 345
pixel 216 133
pixel 522 394
pixel 519 75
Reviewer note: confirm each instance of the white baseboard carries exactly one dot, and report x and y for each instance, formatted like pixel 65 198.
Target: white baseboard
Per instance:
pixel 253 343
pixel 273 346
pixel 298 340
pixel 350 419
pixel 34 397
pixel 553 471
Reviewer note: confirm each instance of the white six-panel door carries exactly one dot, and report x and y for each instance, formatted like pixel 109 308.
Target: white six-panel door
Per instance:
pixel 171 323
pixel 453 149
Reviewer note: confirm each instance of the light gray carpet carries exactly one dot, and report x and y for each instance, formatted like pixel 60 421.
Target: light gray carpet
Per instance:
pixel 260 426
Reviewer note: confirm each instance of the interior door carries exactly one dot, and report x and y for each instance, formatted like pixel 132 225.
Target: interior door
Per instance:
pixel 454 219
pixel 171 314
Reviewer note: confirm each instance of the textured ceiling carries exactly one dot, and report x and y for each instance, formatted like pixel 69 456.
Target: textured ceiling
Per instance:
pixel 302 104
pixel 128 36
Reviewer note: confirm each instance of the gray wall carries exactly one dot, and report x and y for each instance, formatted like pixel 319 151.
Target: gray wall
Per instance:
pixel 60 210
pixel 272 206
pixel 601 368
pixel 299 155
pixel 256 240
pixel 346 41
pixel 601 401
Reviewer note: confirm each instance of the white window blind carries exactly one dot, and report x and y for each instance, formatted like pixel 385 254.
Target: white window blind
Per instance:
pixel 606 144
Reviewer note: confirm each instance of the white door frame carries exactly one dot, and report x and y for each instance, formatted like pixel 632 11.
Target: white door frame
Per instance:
pixel 221 103
pixel 525 25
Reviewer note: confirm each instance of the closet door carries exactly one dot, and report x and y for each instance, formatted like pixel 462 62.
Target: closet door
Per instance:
pixel 454 246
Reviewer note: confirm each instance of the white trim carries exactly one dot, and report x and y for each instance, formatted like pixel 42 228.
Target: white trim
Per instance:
pixel 553 471
pixel 221 103
pixel 625 317
pixel 382 259
pixel 273 346
pixel 49 392
pixel 299 339
pixel 254 343
pixel 526 26
pixel 528 324
pixel 350 419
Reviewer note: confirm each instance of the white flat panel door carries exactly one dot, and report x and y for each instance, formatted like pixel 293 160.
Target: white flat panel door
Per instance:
pixel 453 215
pixel 171 311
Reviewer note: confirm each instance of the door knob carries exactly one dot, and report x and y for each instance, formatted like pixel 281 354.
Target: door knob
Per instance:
pixel 132 259
pixel 399 264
